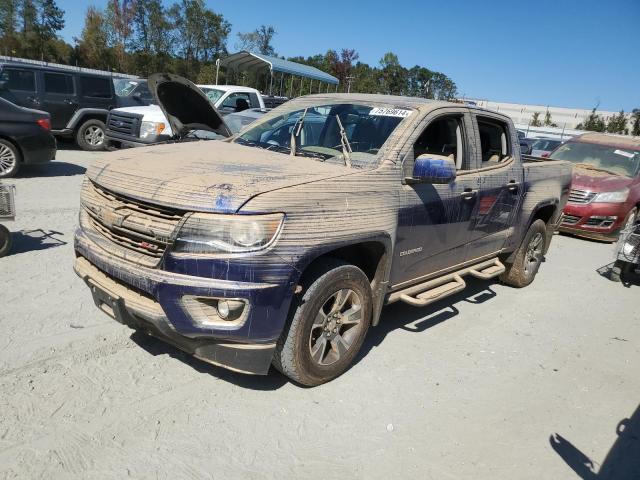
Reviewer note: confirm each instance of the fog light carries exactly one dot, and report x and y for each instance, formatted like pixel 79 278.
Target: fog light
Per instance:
pixel 215 312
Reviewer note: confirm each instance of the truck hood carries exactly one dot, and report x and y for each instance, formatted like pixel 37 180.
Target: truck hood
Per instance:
pixel 186 107
pixel 206 176
pixel 595 181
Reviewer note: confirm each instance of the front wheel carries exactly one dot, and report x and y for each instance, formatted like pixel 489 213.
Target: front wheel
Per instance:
pixel 528 257
pixel 5 240
pixel 328 326
pixel 9 159
pixel 90 135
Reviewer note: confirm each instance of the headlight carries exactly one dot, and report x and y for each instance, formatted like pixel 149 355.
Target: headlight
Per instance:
pixel 211 233
pixel 619 196
pixel 151 129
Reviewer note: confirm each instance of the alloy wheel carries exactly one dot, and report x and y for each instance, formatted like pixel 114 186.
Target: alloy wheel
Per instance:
pixel 7 159
pixel 533 256
pixel 94 136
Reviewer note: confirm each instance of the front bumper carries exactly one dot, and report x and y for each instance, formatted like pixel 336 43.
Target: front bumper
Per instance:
pixel 123 141
pixel 577 218
pixel 149 299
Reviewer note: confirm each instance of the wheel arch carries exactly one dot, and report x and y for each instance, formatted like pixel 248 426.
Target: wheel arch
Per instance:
pixel 84 114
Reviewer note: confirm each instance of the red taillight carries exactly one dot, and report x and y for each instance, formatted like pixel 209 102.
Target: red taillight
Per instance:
pixel 44 123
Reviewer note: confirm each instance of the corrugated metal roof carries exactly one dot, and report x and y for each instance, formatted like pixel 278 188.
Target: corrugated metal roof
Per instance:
pixel 254 61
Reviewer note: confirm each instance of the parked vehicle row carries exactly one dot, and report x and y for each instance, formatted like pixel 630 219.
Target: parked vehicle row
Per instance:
pixel 78 100
pixel 282 244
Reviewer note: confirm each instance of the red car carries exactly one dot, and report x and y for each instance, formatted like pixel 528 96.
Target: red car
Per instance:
pixel 605 190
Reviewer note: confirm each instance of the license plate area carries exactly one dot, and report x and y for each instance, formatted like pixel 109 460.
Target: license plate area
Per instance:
pixel 109 302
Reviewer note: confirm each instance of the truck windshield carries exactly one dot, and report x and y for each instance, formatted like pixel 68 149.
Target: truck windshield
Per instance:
pixel 126 87
pixel 607 158
pixel 213 94
pixel 323 131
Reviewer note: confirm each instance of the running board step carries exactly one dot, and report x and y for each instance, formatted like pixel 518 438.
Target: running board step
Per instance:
pixel 425 298
pixel 489 272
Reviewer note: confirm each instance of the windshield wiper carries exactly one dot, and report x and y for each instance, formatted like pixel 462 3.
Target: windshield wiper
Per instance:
pixel 592 167
pixel 295 131
pixel 346 147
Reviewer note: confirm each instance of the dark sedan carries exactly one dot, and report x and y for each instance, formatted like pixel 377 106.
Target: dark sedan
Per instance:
pixel 25 138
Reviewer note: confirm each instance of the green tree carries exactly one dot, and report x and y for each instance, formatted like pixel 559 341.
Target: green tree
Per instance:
pixel 119 28
pixel 635 122
pixel 152 37
pixel 93 44
pixel 593 123
pixel 548 122
pixel 258 41
pixel 535 120
pixel 392 75
pixel 617 123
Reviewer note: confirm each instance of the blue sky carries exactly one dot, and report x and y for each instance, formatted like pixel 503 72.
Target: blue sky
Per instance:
pixel 569 53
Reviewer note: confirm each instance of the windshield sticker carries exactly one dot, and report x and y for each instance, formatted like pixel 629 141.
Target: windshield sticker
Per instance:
pixel 624 154
pixel 390 112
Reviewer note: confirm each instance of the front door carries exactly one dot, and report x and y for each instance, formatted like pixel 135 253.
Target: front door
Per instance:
pixel 434 220
pixel 59 98
pixel 500 186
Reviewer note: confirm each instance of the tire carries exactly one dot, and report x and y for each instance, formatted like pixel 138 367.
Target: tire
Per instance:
pixel 528 257
pixel 90 135
pixel 630 218
pixel 5 241
pixel 317 344
pixel 10 159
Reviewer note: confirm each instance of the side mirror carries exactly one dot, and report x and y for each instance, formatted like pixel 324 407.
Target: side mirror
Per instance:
pixel 432 169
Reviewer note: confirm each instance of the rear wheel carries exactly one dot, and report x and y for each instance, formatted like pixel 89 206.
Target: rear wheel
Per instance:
pixel 90 135
pixel 5 241
pixel 328 326
pixel 9 159
pixel 528 257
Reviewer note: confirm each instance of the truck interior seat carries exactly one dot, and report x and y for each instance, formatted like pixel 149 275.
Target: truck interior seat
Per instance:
pixel 241 104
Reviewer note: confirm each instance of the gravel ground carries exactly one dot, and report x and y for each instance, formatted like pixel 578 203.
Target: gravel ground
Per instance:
pixel 472 387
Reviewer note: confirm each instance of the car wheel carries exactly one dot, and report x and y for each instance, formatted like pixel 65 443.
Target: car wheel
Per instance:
pixel 9 159
pixel 528 257
pixel 327 326
pixel 5 241
pixel 90 135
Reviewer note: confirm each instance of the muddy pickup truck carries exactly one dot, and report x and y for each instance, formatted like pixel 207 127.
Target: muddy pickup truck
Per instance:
pixel 281 244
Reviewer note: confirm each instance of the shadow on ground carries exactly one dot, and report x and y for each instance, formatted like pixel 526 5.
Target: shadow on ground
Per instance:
pixel 622 461
pixel 31 240
pixel 52 169
pixel 394 317
pixel 629 280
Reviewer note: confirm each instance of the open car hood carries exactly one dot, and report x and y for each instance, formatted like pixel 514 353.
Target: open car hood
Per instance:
pixel 186 107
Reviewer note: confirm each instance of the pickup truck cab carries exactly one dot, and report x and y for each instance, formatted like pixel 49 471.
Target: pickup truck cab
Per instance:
pixel 282 244
pixel 147 125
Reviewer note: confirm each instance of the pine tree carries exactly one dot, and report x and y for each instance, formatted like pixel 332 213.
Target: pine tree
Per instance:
pixel 535 120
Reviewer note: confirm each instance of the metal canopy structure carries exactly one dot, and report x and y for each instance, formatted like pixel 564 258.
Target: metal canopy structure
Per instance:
pixel 245 61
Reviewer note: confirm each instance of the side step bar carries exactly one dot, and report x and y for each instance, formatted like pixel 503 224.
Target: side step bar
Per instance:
pixel 438 288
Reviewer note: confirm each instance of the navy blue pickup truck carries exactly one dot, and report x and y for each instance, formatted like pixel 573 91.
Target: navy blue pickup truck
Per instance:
pixel 281 244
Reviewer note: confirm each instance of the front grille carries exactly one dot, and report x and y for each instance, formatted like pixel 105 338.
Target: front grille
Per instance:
pixel 124 123
pixel 600 222
pixel 580 196
pixel 129 225
pixel 570 219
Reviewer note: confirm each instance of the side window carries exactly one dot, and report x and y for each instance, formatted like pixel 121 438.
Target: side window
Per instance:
pixel 96 87
pixel 443 137
pixel 236 102
pixel 20 80
pixel 58 83
pixel 255 103
pixel 494 140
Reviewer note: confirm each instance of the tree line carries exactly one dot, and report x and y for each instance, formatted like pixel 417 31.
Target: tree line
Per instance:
pixel 146 36
pixel 618 123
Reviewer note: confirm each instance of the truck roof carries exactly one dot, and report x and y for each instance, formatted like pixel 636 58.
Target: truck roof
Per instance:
pixel 226 88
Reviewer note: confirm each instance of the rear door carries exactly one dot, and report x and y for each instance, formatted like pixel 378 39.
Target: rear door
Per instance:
pixel 434 220
pixel 500 184
pixel 58 97
pixel 95 92
pixel 21 87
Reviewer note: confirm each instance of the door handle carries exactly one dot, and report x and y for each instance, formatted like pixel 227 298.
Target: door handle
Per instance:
pixel 513 186
pixel 469 194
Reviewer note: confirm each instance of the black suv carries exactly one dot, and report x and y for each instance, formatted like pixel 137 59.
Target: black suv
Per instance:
pixel 78 99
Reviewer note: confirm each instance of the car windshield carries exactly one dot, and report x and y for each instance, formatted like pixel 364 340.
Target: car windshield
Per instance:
pixel 607 158
pixel 213 94
pixel 345 133
pixel 544 144
pixel 125 87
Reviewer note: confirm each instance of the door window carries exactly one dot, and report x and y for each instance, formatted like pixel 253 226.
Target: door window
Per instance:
pixel 237 102
pixel 494 141
pixel 443 137
pixel 58 83
pixel 20 80
pixel 96 87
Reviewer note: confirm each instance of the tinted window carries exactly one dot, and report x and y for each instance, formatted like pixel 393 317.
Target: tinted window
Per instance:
pixel 22 80
pixel 95 87
pixel 443 138
pixel 58 83
pixel 494 140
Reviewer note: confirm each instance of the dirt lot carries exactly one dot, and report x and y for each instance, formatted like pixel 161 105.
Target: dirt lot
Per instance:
pixel 472 387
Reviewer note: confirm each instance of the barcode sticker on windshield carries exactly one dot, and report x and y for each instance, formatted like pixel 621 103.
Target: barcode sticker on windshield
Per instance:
pixel 390 112
pixel 624 154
